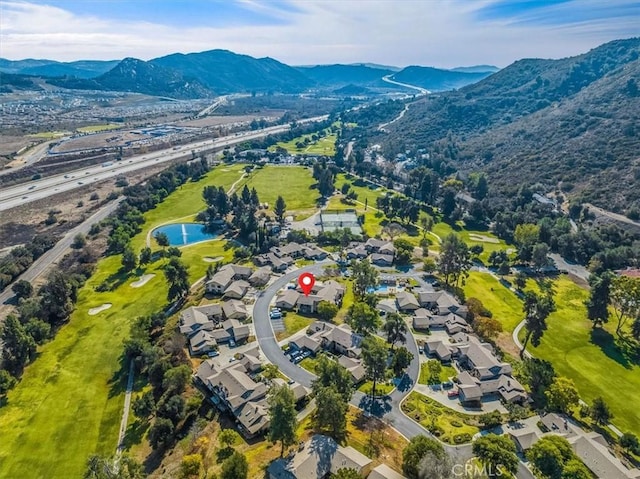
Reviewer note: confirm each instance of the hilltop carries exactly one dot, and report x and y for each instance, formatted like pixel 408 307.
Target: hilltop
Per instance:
pixel 570 124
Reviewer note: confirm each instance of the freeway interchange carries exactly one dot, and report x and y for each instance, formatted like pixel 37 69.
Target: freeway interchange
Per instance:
pixel 39 189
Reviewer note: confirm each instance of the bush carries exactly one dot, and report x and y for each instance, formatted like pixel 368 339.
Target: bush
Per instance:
pixel 94 197
pixel 435 430
pixel 462 438
pixel 455 423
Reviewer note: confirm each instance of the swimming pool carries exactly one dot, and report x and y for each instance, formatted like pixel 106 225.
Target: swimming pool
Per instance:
pixel 385 289
pixel 181 234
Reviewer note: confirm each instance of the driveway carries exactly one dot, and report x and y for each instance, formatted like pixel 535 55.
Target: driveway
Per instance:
pixel 388 409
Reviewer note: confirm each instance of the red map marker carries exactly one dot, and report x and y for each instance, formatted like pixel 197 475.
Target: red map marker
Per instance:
pixel 306 282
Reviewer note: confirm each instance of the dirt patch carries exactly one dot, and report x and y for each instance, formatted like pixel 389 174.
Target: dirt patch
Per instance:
pixel 99 309
pixel 209 259
pixel 483 238
pixel 144 279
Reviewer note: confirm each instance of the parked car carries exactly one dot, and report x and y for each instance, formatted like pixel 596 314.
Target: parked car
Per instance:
pixel 213 354
pixel 447 385
pixel 453 393
pixel 232 343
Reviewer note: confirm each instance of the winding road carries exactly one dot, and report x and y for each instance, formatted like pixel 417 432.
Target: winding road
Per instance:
pixel 388 409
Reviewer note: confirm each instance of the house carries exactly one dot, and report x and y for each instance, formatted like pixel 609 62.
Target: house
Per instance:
pixel 455 324
pixel 342 340
pixel 233 390
pixel 234 309
pixel 298 390
pixel 478 358
pixel 306 342
pixel 339 339
pixel 308 304
pixel 406 301
pixel 357 252
pixel 387 249
pixel 201 343
pixel 311 251
pixel 556 424
pixel 237 330
pixel 288 299
pixel 387 306
pixel 279 263
pixel 385 472
pixel 592 450
pixel 317 458
pixel 440 302
pixel 330 291
pixel 354 366
pixel 471 389
pixel 381 259
pixel 225 275
pixel 373 245
pixel 524 438
pixel 194 319
pixel 439 349
pixel 251 360
pixel 293 250
pixel 260 277
pixel 237 289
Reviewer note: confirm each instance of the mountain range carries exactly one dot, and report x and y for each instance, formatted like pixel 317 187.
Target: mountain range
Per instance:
pixel 571 124
pixel 216 72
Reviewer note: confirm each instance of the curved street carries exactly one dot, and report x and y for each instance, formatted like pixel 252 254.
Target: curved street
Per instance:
pixel 388 409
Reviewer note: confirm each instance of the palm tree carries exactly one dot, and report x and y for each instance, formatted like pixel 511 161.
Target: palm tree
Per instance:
pixel 395 328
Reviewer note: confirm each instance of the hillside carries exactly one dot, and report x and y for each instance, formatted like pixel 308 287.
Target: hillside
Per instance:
pixel 225 72
pixel 573 120
pixel 50 68
pixel 335 76
pixel 435 79
pixel 476 69
pixel 141 77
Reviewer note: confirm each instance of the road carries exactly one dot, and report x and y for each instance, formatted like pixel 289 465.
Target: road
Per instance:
pixel 387 409
pixel 32 155
pixel 43 188
pixel 61 248
pixel 423 91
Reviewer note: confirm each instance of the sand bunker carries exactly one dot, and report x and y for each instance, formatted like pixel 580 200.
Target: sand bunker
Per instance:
pixel 209 259
pixel 142 281
pixel 483 238
pixel 94 311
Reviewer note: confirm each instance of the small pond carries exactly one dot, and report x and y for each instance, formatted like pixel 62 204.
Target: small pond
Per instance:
pixel 181 234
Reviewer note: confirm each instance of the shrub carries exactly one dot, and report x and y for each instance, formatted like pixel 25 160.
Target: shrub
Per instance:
pixel 461 438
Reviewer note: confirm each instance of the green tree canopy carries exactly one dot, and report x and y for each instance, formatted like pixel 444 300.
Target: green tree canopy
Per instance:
pixel 415 451
pixel 282 416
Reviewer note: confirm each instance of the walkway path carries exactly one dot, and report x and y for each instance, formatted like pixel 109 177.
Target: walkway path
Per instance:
pixel 125 412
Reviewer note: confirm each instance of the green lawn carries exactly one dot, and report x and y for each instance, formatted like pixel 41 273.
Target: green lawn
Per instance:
pixel 73 394
pixel 502 302
pixel 323 146
pixel 448 425
pixel 187 200
pixel 446 373
pixel 309 364
pixel 590 357
pixel 294 322
pixel 382 389
pixel 49 135
pixel 293 183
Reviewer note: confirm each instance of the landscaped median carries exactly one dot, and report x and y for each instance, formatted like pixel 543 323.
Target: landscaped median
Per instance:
pixel 451 427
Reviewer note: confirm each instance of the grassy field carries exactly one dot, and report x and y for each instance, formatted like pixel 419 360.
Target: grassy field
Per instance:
pixel 446 373
pixel 293 183
pixel 325 145
pixel 49 135
pixel 97 128
pixel 450 426
pixel 72 396
pixel 76 383
pixel 502 302
pixel 590 357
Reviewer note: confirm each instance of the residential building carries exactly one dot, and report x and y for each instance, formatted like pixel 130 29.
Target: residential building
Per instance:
pixel 406 301
pixel 234 309
pixel 384 472
pixel 237 289
pixel 317 458
pixel 224 276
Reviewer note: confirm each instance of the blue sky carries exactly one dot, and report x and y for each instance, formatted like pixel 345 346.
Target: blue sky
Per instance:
pixel 443 33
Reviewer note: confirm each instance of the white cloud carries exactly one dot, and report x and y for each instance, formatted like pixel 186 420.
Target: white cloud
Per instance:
pixel 431 32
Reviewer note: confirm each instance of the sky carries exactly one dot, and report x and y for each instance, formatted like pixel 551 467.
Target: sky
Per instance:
pixel 441 33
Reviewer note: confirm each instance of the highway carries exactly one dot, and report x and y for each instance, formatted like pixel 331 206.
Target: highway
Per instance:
pixel 40 265
pixel 51 185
